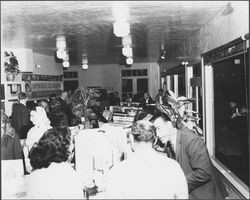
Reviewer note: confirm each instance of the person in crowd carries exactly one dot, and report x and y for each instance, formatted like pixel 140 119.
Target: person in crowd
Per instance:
pixel 159 96
pixel 52 176
pixel 104 100
pixel 52 96
pixel 20 116
pixel 147 98
pixel 59 119
pixel 128 98
pixel 44 104
pixel 31 105
pixel 117 99
pixel 112 98
pixel 64 106
pixel 97 110
pixel 56 116
pixel 144 114
pixel 138 97
pixel 69 99
pixel 146 174
pixel 10 144
pixel 41 124
pixel 191 153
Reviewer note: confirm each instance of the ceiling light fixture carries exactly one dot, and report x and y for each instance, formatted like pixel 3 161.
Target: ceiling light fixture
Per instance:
pixel 121 28
pixel 61 54
pixel 120 10
pixel 127 41
pixel 163 54
pixel 129 61
pixel 184 63
pixel 227 10
pixel 127 51
pixel 85 66
pixel 66 63
pixel 61 42
pixel 121 17
pixel 84 61
pixel 163 51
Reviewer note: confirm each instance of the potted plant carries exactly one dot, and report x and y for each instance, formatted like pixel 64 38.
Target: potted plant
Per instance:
pixel 11 66
pixel 81 103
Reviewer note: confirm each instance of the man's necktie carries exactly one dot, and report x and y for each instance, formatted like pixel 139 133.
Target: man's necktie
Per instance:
pixel 169 150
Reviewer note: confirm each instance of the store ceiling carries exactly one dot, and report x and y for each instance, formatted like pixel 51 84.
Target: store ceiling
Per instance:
pixel 88 26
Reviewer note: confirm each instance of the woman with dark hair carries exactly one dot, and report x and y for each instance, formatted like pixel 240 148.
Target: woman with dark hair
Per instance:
pixel 10 144
pixel 52 176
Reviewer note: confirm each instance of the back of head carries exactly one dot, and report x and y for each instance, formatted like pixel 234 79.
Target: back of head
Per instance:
pixel 44 104
pixel 64 94
pixel 160 90
pixel 39 117
pixel 143 131
pixel 144 114
pixel 163 116
pixel 52 147
pixel 22 96
pixel 52 96
pixel 55 105
pixel 59 119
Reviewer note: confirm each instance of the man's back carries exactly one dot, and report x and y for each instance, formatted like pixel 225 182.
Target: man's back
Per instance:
pixel 151 176
pixel 20 120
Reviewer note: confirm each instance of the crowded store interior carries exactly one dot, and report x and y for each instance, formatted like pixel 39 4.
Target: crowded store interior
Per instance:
pixel 125 100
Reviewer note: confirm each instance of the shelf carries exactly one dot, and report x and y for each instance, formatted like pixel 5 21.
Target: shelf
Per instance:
pixel 11 82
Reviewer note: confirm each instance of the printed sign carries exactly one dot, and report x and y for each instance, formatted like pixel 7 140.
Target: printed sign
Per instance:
pixel 37 86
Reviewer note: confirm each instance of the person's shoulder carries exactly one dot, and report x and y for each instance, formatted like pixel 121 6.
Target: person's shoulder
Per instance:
pixel 168 161
pixel 16 105
pixel 188 135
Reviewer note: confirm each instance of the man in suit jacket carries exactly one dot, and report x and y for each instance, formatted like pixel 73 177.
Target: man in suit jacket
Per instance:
pixel 64 106
pixel 191 153
pixel 20 117
pixel 147 98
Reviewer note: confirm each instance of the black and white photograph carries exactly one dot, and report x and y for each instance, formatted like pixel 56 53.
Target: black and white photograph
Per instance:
pixel 125 100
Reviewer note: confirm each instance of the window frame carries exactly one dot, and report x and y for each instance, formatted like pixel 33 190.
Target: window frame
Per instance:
pixel 209 129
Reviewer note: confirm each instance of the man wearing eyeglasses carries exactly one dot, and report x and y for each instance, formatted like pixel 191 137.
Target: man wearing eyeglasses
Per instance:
pixel 191 153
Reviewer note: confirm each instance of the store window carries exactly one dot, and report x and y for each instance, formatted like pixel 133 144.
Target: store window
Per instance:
pixel 181 85
pixel 231 112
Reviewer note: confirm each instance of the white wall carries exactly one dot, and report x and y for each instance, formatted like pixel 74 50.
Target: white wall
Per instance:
pixel 27 60
pixel 222 29
pixel 48 66
pixel 109 75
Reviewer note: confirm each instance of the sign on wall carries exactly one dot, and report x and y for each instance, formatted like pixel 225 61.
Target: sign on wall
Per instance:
pixel 37 86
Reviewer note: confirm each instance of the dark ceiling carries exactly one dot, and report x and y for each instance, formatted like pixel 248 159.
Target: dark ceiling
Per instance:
pixel 88 26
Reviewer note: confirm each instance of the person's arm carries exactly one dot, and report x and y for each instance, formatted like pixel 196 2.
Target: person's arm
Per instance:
pixel 200 162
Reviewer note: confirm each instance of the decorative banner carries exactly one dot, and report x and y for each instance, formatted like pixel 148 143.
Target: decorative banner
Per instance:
pixel 36 77
pixel 39 86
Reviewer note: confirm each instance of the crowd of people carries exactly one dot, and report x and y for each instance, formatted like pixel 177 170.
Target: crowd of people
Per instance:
pixel 167 162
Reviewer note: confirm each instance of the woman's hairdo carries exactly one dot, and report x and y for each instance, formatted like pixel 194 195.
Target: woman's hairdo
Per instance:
pixel 143 131
pixel 52 147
